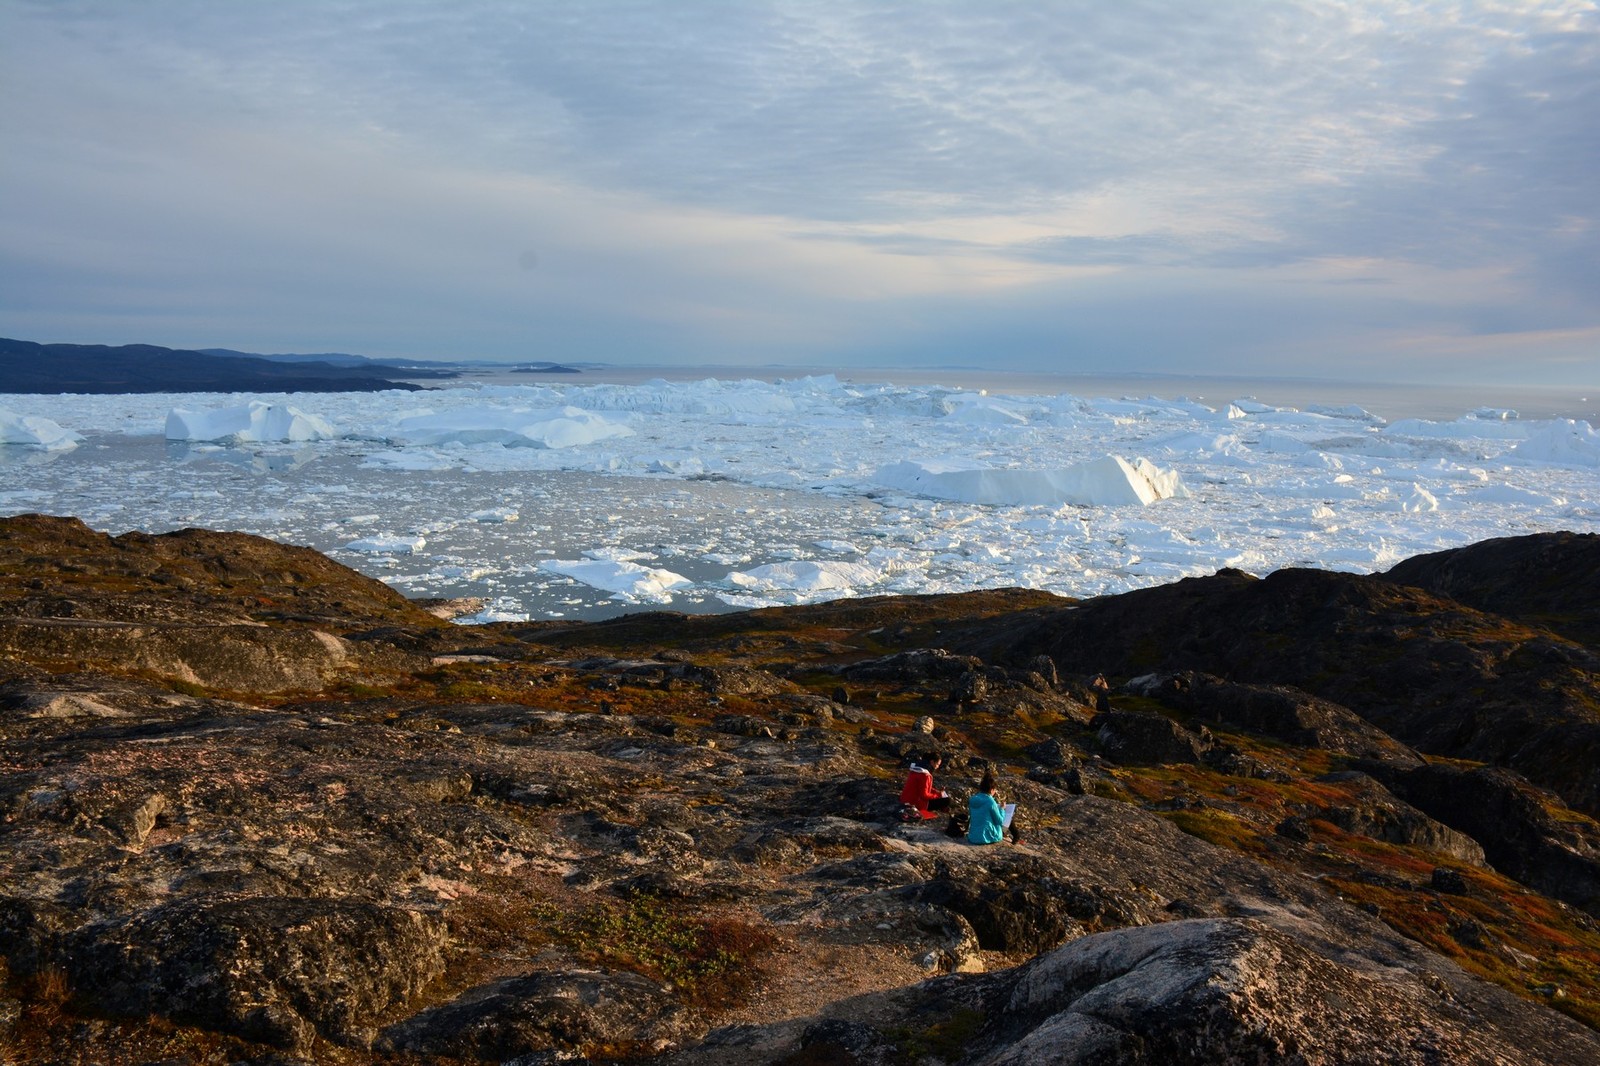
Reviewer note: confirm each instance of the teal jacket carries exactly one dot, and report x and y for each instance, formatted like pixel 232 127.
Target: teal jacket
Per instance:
pixel 985 824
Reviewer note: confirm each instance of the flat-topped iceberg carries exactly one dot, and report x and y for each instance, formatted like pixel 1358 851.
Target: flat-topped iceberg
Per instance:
pixel 1111 481
pixel 627 581
pixel 406 544
pixel 31 431
pixel 1563 441
pixel 516 427
pixel 257 423
pixel 808 577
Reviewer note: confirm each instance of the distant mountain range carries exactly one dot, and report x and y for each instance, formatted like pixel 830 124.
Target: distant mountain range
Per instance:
pixel 27 367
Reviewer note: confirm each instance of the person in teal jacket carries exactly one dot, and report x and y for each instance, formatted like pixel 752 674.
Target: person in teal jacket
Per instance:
pixel 985 818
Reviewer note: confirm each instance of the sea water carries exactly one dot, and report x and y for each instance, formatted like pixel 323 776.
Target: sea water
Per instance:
pixel 753 490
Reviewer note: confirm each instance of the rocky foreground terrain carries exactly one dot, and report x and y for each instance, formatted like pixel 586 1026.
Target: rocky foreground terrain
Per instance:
pixel 255 807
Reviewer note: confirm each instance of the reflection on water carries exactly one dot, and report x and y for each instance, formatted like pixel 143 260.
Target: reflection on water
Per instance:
pixel 257 462
pixel 23 455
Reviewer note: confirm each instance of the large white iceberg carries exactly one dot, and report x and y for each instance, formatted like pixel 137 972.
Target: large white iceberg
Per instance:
pixel 260 422
pixel 1563 441
pixel 1110 481
pixel 31 431
pixel 625 580
pixel 404 544
pixel 980 410
pixel 807 577
pixel 564 427
pixel 1460 429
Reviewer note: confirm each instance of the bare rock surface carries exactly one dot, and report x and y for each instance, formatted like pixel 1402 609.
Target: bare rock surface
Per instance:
pixel 388 840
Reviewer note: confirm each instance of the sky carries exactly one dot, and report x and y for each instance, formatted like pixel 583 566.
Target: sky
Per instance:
pixel 1337 189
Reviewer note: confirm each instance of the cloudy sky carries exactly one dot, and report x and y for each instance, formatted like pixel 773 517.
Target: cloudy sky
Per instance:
pixel 1333 188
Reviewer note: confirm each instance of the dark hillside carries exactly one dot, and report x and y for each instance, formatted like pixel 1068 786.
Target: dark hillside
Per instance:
pixel 1547 579
pixel 1438 675
pixel 27 367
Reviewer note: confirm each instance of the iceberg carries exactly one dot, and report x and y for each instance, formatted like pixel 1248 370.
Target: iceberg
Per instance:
pixel 401 545
pixel 807 577
pixel 31 431
pixel 1460 429
pixel 624 580
pixel 259 422
pixel 1562 441
pixel 979 410
pixel 1107 482
pixel 564 427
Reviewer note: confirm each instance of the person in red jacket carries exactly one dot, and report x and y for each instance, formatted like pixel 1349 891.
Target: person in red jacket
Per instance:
pixel 919 791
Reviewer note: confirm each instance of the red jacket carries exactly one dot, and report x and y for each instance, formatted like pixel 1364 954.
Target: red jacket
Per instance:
pixel 919 790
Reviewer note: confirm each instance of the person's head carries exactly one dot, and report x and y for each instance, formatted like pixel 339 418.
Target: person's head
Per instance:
pixel 987 784
pixel 933 760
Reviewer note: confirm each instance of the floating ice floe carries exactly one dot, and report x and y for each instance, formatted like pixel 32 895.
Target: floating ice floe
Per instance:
pixel 980 410
pixel 1460 429
pixel 1563 441
pixel 623 579
pixel 564 427
pixel 257 423
pixel 808 577
pixel 1417 501
pixel 31 431
pixel 1108 482
pixel 388 545
pixel 1275 486
pixel 1350 411
pixel 1511 494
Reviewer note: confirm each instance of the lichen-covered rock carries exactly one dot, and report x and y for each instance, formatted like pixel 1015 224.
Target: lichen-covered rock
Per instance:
pixel 541 1012
pixel 1376 812
pixel 1142 737
pixel 920 664
pixel 281 970
pixel 1231 991
pixel 1522 829
pixel 1280 711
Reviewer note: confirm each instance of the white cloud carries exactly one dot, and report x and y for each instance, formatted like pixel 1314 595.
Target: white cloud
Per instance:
pixel 789 179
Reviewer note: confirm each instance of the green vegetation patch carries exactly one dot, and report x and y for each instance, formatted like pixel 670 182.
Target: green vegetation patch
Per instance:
pixel 707 958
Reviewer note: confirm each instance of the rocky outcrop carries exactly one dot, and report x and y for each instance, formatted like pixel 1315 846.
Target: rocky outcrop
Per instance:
pixel 1370 810
pixel 1524 831
pixel 520 1017
pixel 382 839
pixel 278 970
pixel 1226 990
pixel 1278 711
pixel 1143 737
pixel 1547 579
pixel 1438 676
pixel 239 658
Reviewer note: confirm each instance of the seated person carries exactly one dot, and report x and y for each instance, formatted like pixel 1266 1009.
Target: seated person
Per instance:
pixel 986 819
pixel 919 791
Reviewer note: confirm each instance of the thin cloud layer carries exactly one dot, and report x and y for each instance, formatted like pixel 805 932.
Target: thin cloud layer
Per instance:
pixel 1322 188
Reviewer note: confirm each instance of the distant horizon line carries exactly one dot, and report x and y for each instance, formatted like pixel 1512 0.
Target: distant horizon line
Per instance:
pixel 813 369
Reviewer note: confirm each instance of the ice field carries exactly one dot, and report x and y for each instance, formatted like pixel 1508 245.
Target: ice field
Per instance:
pixel 585 500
